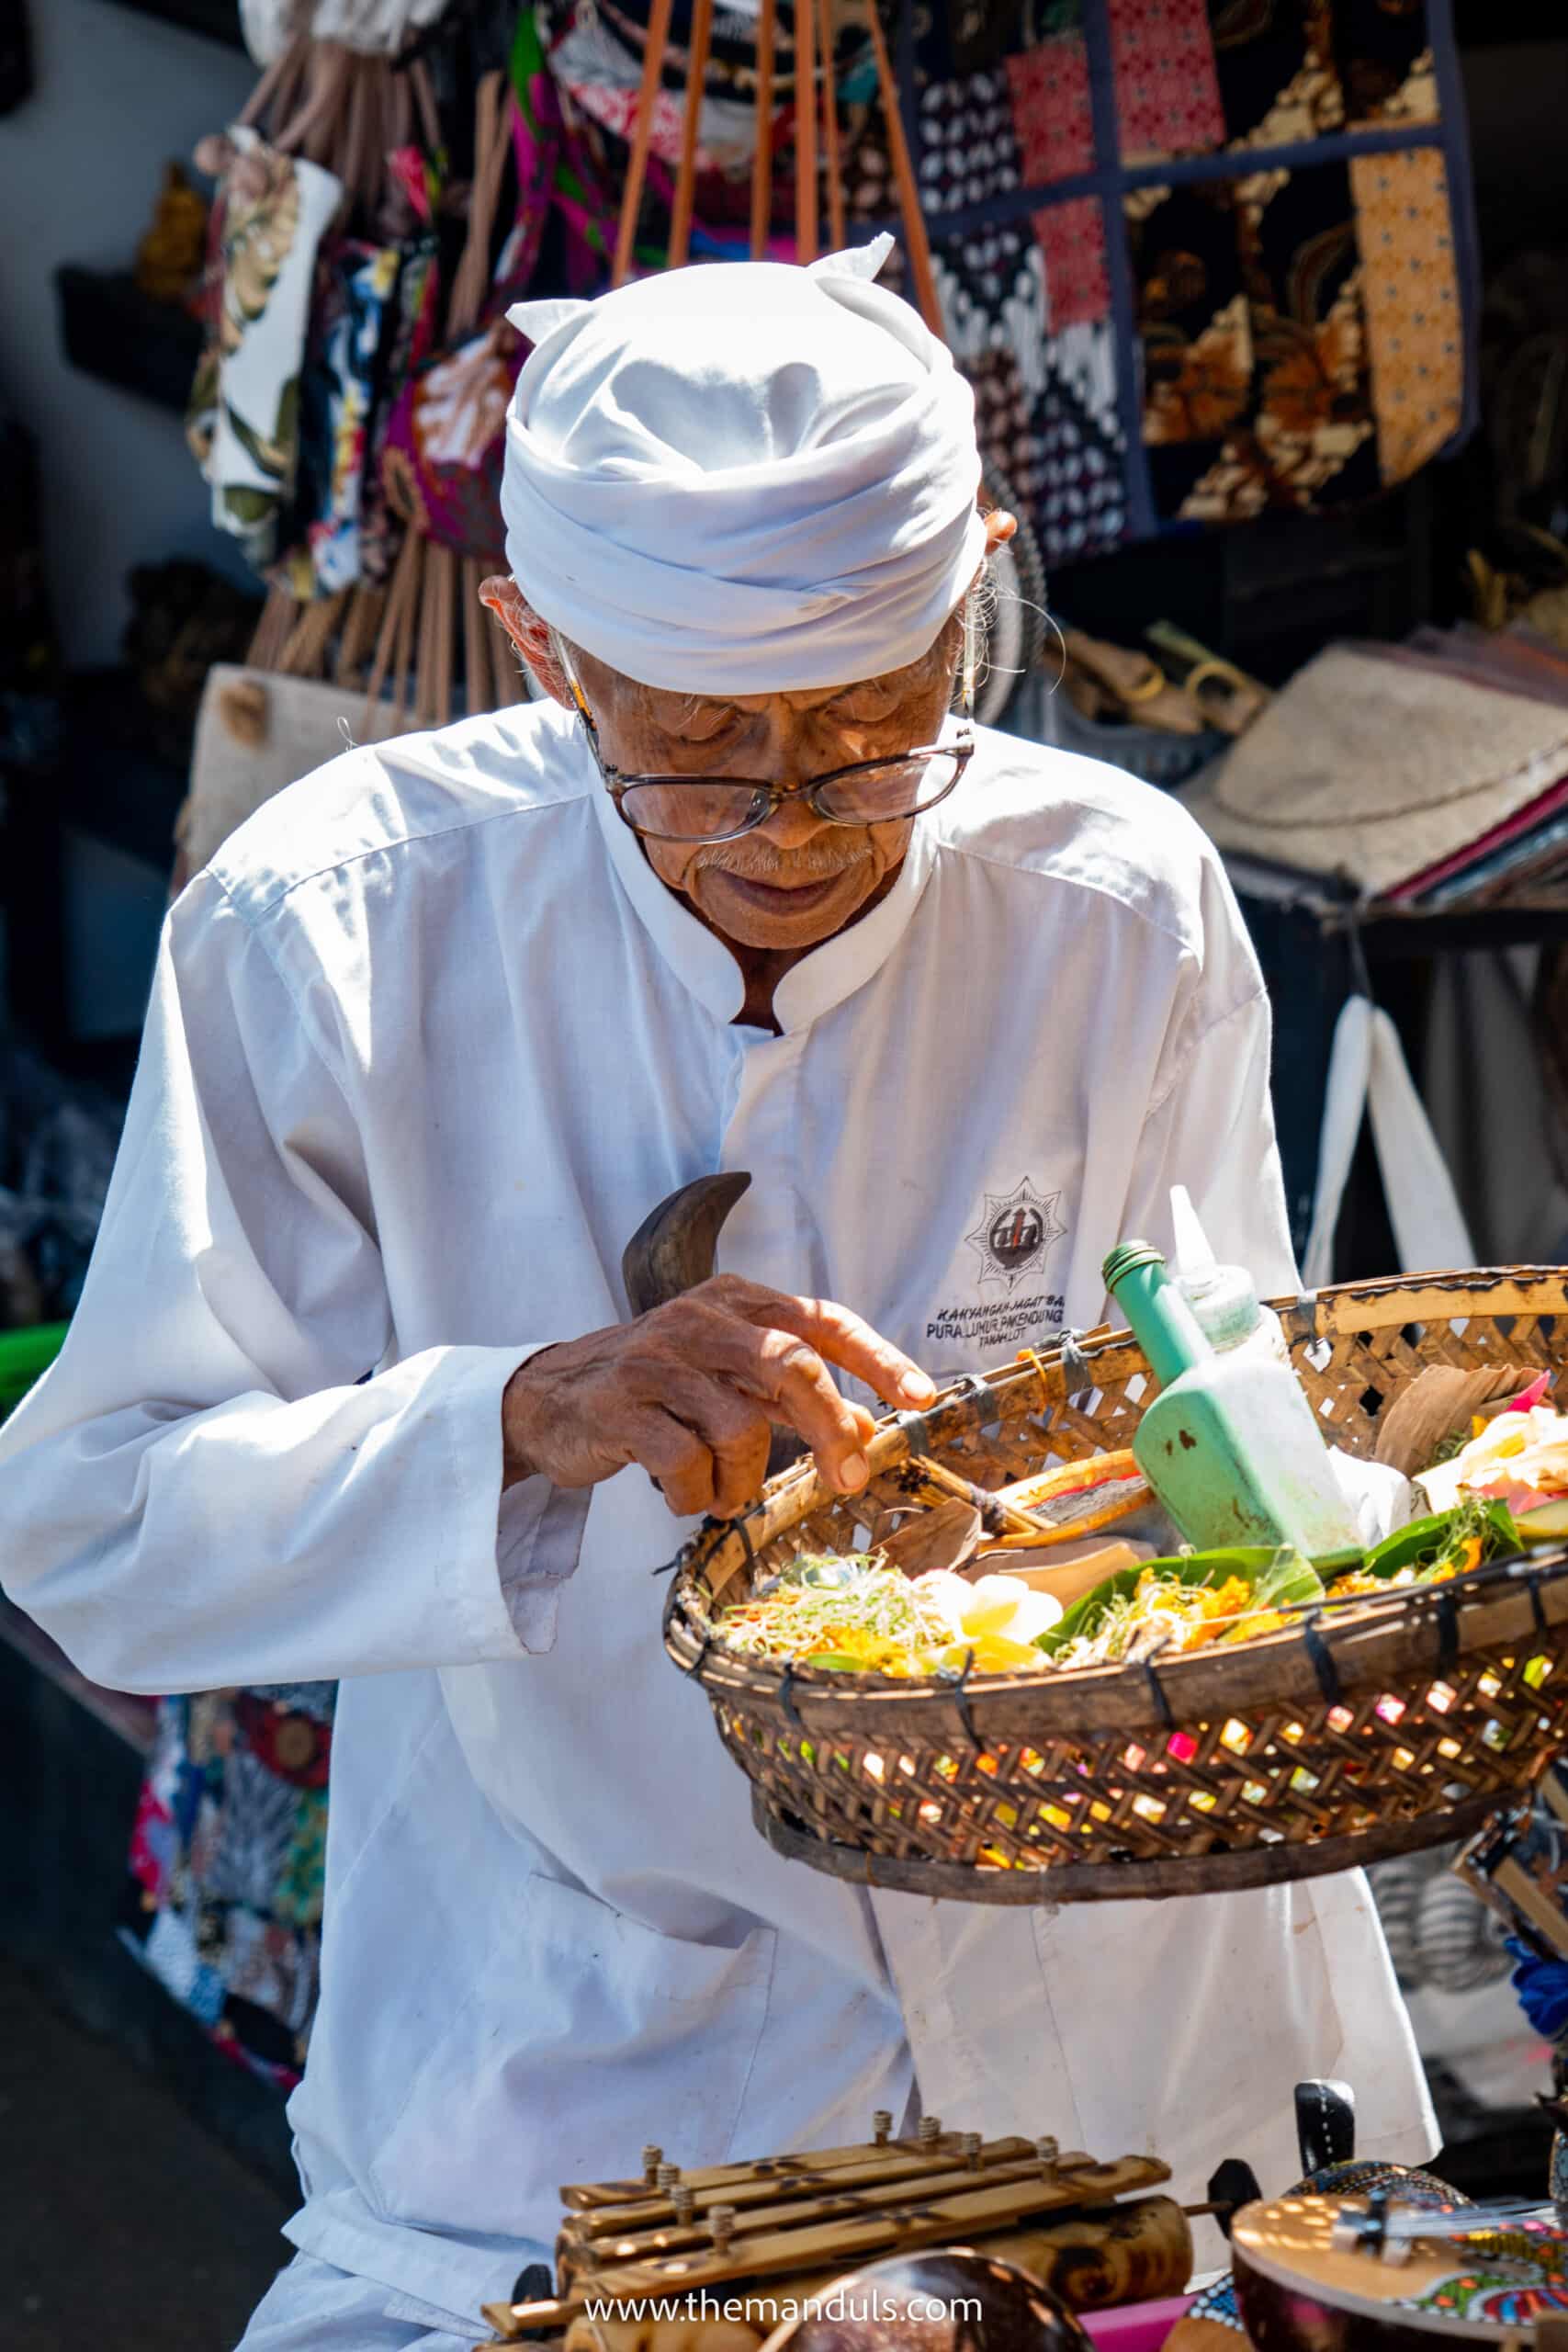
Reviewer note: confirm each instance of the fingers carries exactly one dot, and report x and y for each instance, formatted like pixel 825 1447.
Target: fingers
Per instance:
pixel 675 1458
pixel 786 1376
pixel 705 1445
pixel 844 1338
pixel 730 1425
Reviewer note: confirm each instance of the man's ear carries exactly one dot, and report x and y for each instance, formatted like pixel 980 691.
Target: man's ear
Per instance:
pixel 528 634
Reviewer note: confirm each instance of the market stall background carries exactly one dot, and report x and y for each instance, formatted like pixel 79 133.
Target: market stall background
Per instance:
pixel 123 597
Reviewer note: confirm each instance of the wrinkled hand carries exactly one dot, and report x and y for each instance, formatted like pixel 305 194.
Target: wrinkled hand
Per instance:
pixel 690 1390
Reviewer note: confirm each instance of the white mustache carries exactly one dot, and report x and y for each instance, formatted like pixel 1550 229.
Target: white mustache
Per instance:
pixel 815 863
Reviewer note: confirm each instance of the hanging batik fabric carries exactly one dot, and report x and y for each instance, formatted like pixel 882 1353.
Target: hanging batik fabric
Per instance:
pixel 355 317
pixel 1198 257
pixel 243 417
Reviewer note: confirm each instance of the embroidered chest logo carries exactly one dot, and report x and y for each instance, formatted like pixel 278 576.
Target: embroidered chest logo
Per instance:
pixel 1014 1232
pixel 1012 1241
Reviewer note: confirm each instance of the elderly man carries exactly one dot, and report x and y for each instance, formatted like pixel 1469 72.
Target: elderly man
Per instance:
pixel 354 1392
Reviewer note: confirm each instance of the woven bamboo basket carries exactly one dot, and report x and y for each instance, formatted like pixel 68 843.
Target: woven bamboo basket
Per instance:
pixel 1369 1729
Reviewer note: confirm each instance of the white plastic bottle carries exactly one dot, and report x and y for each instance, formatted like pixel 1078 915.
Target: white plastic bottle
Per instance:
pixel 1224 1299
pixel 1227 1310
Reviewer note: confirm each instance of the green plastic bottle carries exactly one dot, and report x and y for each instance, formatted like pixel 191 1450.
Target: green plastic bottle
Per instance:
pixel 1230 1445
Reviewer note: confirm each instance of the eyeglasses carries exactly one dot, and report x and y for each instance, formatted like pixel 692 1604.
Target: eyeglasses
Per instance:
pixel 721 808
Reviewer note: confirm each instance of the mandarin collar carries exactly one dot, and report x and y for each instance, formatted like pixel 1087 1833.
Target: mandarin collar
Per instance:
pixel 702 962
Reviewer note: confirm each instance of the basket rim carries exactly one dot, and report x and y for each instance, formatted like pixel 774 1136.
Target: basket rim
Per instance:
pixel 1420 1629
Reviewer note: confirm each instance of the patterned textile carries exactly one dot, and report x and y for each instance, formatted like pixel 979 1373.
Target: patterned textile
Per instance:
pixel 445 440
pixel 338 395
pixel 227 1864
pixel 1253 270
pixel 242 421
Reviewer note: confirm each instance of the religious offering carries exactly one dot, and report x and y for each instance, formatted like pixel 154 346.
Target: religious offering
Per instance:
pixel 851 1615
pixel 860 1614
pixel 928 1692
pixel 717 2259
pixel 1520 1458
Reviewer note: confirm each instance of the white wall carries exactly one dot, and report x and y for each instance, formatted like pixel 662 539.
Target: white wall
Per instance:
pixel 116 95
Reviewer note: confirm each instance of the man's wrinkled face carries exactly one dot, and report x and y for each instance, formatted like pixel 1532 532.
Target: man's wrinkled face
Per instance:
pixel 796 879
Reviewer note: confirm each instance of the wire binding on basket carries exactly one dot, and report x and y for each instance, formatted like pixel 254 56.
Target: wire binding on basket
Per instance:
pixel 917 1430
pixel 1448 1625
pixel 983 1398
pixel 966 1713
pixel 1157 1693
pixel 1321 1656
pixel 785 1694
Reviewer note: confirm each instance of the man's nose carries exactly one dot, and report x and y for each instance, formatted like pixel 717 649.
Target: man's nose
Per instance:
pixel 793 823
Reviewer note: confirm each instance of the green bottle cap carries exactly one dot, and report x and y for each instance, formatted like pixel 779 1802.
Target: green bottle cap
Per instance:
pixel 1126 1258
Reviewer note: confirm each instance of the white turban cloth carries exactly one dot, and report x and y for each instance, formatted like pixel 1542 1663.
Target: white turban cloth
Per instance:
pixel 742 477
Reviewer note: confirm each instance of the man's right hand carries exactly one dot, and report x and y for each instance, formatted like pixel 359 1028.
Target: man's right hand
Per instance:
pixel 691 1392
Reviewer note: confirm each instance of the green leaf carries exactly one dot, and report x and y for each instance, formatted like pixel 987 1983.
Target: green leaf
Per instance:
pixel 1086 1616
pixel 1289 1581
pixel 1278 1578
pixel 1428 1543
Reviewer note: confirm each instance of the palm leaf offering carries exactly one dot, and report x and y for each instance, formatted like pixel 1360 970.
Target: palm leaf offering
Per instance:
pixel 861 1614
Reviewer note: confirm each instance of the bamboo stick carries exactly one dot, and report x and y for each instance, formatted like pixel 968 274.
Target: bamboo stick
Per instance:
pixel 402 654
pixel 594 2244
pixel 637 161
pixel 763 157
pixel 806 228
pixel 271 630
pixel 429 621
pixel 928 300
pixel 827 28
pixel 446 622
pixel 397 625
pixel 829 2173
pixel 362 622
pixel 475 644
pixel 687 177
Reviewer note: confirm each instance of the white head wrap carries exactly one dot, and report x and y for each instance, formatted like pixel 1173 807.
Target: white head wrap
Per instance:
pixel 742 477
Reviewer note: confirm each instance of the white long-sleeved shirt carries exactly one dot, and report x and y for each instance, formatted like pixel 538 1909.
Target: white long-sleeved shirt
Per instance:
pixel 427 1041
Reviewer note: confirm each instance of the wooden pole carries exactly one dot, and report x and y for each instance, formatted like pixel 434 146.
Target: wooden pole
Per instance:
pixel 686 178
pixel 828 29
pixel 637 161
pixel 928 300
pixel 762 158
pixel 806 130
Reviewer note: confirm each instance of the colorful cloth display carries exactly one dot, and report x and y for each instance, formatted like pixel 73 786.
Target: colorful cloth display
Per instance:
pixel 227 1864
pixel 1201 261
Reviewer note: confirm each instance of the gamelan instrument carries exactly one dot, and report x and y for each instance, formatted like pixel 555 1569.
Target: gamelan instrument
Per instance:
pixel 1376 2273
pixel 757 2240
